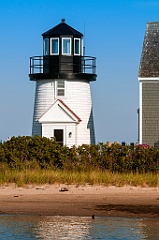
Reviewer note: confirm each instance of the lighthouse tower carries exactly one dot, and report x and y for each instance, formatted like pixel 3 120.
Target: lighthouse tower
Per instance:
pixel 63 104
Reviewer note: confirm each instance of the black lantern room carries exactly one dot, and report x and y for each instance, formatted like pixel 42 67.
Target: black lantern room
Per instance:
pixel 62 56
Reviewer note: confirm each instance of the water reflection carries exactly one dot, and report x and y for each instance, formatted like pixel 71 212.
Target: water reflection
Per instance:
pixel 150 228
pixel 63 228
pixel 117 228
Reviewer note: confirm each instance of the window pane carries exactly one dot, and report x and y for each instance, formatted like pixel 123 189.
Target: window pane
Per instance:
pixel 66 46
pixel 60 92
pixel 60 84
pixel 46 47
pixel 55 46
pixel 77 46
pixel 60 88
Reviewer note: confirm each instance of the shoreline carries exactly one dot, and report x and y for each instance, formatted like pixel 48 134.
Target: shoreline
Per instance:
pixel 74 200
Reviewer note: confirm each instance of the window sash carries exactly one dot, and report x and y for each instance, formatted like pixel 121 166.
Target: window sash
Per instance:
pixel 61 92
pixel 60 84
pixel 54 43
pixel 76 46
pixel 46 46
pixel 60 88
pixel 66 46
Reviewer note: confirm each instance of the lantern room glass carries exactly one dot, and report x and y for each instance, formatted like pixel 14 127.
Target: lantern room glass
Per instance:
pixel 54 42
pixel 46 46
pixel 76 46
pixel 66 46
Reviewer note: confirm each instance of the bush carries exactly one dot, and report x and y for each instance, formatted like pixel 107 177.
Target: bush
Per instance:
pixel 22 153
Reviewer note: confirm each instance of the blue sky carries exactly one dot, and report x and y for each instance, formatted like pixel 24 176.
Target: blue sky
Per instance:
pixel 114 33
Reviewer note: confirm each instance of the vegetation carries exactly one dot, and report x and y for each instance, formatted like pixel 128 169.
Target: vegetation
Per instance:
pixel 29 160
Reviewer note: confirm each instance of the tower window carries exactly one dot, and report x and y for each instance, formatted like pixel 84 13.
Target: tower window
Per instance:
pixel 54 46
pixel 60 88
pixel 76 46
pixel 66 46
pixel 46 46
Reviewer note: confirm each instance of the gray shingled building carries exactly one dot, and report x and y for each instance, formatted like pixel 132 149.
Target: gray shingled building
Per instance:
pixel 149 86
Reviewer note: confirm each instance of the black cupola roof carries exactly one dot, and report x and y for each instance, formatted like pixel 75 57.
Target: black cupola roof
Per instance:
pixel 62 29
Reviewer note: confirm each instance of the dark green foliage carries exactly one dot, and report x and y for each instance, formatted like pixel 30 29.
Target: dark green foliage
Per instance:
pixel 22 153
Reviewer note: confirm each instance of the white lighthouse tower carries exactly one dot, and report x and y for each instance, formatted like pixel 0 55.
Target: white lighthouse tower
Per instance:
pixel 63 104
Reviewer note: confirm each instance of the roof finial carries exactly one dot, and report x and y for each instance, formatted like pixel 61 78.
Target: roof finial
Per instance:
pixel 63 20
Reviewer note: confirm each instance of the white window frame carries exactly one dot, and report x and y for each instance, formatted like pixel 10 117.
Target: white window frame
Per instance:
pixel 45 53
pixel 68 38
pixel 81 47
pixel 51 46
pixel 56 89
pixel 79 40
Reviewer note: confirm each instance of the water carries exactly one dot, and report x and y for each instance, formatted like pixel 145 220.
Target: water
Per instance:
pixel 16 227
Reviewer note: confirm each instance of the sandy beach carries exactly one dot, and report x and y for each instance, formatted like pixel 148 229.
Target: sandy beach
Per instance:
pixel 73 200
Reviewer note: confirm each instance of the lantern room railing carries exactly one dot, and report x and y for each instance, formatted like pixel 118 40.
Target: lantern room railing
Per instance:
pixel 41 64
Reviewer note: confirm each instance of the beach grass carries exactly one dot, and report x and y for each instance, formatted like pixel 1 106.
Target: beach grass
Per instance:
pixel 98 177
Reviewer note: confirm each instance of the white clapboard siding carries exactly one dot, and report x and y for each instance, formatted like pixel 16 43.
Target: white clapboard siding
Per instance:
pixel 44 98
pixel 79 100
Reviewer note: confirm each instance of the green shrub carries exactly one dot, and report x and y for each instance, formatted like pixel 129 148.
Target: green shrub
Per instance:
pixel 34 153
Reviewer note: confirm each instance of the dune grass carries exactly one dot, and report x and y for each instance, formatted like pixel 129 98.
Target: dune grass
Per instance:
pixel 22 178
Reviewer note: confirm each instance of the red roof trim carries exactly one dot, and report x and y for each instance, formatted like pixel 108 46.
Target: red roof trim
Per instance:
pixel 69 110
pixel 65 106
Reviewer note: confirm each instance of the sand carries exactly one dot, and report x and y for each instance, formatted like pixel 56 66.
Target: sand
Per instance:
pixel 73 200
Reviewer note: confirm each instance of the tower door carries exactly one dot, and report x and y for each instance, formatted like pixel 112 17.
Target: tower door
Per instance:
pixel 58 134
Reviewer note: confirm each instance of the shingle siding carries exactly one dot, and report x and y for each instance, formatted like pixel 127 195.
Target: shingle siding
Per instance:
pixel 149 63
pixel 150 113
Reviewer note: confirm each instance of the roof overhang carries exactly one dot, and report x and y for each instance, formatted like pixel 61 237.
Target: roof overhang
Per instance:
pixel 150 79
pixel 59 112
